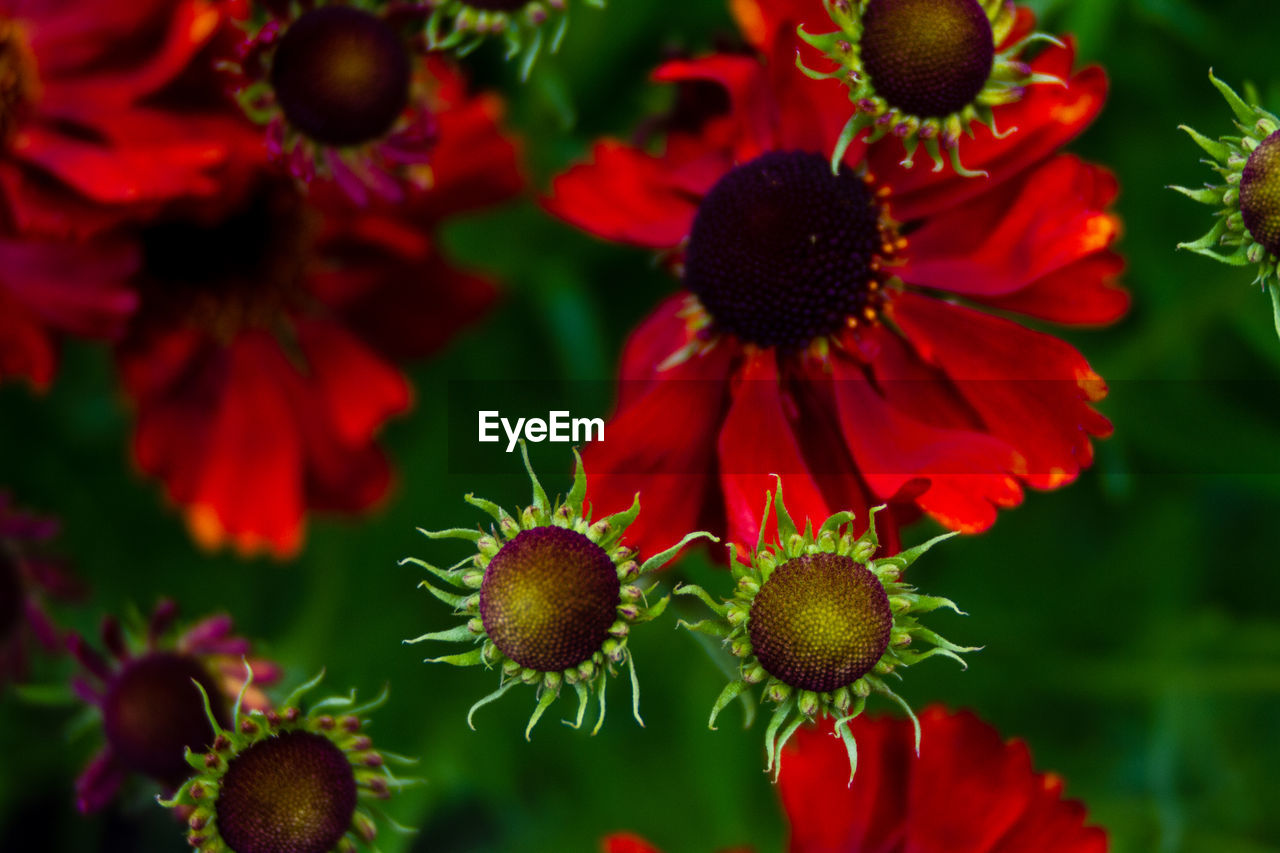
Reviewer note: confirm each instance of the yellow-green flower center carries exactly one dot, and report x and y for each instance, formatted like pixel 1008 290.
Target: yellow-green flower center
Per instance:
pixel 1260 193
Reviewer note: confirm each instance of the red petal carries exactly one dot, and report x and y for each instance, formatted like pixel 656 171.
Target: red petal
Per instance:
pixel 1046 119
pixel 763 22
pixel 627 843
pixel 623 195
pixel 827 813
pixel 356 390
pixel 1031 389
pixel 1052 825
pixel 1083 294
pixel 25 348
pixel 78 288
pixel 1029 229
pixel 968 473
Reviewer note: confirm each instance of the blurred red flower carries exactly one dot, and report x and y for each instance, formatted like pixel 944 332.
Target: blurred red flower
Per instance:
pixel 849 332
pixel 27 577
pixel 968 791
pixel 263 359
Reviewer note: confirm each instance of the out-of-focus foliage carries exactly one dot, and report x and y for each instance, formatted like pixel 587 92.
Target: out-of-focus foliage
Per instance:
pixel 1129 621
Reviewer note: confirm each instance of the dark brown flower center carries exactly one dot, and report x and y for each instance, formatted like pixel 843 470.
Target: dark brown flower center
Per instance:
pixel 292 793
pixel 820 622
pixel 929 58
pixel 1260 193
pixel 548 598
pixel 11 595
pixel 342 75
pixel 782 251
pixel 153 712
pixel 19 81
pixel 241 269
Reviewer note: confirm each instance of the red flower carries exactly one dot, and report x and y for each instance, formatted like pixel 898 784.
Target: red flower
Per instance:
pixel 968 791
pixel 262 363
pixel 150 709
pixel 49 288
pixel 27 576
pixel 79 125
pixel 839 330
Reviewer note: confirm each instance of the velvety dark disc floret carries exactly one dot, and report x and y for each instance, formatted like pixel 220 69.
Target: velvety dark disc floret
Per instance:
pixel 782 251
pixel 548 598
pixel 10 595
pixel 341 75
pixel 929 58
pixel 153 712
pixel 820 622
pixel 1260 193
pixel 292 793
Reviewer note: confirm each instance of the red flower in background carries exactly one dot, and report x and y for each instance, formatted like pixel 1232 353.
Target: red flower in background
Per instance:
pixel 50 288
pixel 968 791
pixel 263 360
pixel 80 125
pixel 841 330
pixel 27 576
pixel 150 708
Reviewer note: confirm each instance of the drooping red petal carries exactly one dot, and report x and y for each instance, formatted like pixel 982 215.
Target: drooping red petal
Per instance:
pixel 1084 293
pixel 968 473
pixel 1051 824
pixel 628 843
pixel 25 348
pixel 1031 390
pixel 1026 230
pixel 1046 119
pixel 826 813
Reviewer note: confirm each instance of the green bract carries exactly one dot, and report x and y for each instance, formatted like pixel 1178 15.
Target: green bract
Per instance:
pixel 924 70
pixel 820 622
pixel 1247 199
pixel 287 780
pixel 463 25
pixel 550 597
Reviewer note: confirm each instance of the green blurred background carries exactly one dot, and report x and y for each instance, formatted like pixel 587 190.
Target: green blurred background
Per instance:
pixel 1129 620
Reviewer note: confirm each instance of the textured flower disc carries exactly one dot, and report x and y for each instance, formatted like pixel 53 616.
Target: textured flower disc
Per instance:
pixel 10 595
pixel 153 712
pixel 341 75
pixel 782 251
pixel 293 793
pixel 930 58
pixel 548 598
pixel 1260 193
pixel 820 622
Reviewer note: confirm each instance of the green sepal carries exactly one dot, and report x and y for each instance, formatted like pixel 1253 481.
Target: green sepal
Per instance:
pixel 471 658
pixel 544 702
pixel 661 559
pixel 1208 195
pixel 471 534
pixel 780 715
pixel 1244 112
pixel 703 595
pixel 727 695
pixel 540 501
pixel 578 493
pixel 452 599
pixel 459 634
pixel 904 559
pixel 492 697
pixel 1216 150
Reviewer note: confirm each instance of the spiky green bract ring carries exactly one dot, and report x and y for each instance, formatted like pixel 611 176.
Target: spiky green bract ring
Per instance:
pixel 588 677
pixel 335 723
pixel 1230 156
pixel 795 705
pixel 526 29
pixel 940 135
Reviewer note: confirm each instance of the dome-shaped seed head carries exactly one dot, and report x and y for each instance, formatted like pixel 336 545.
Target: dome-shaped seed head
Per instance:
pixel 152 713
pixel 341 75
pixel 1260 193
pixel 928 58
pixel 548 598
pixel 291 793
pixel 781 250
pixel 820 622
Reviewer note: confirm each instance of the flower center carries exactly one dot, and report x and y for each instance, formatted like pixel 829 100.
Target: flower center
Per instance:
pixel 820 622
pixel 1260 193
pixel 929 58
pixel 548 598
pixel 782 251
pixel 341 75
pixel 11 595
pixel 242 270
pixel 153 712
pixel 19 83
pixel 292 793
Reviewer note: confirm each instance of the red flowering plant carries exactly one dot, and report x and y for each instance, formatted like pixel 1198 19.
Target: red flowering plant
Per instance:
pixel 81 126
pixel 968 790
pixel 264 356
pixel 848 331
pixel 150 708
pixel 28 575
